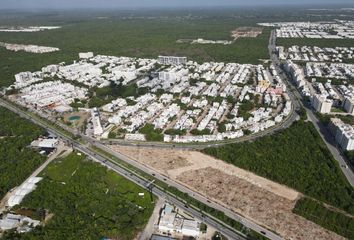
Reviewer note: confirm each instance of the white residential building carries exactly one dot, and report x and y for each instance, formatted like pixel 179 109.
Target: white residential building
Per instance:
pixel 344 134
pixel 86 55
pixel 96 121
pixel 170 60
pixel 321 104
pixel 349 105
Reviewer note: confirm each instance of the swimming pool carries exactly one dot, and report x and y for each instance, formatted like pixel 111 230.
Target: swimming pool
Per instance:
pixel 74 118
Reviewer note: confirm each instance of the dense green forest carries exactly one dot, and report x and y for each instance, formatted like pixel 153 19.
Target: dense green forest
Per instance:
pixel 296 157
pixel 88 202
pixel 17 160
pixel 332 220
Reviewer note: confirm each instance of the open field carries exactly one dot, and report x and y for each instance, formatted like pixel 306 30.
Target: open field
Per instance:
pixel 253 196
pixel 87 201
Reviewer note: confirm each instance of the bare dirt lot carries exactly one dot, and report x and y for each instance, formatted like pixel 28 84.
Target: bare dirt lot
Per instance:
pixel 246 32
pixel 268 203
pixel 154 158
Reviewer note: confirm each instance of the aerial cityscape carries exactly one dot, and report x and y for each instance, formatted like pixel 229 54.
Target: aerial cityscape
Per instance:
pixel 173 120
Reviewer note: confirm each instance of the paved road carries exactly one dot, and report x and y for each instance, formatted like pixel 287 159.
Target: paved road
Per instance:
pixel 322 130
pixel 227 231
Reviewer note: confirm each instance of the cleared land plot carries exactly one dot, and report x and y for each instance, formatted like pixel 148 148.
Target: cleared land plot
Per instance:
pixel 176 162
pixel 296 157
pixel 246 32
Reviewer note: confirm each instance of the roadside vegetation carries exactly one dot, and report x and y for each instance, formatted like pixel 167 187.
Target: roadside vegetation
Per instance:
pixel 87 201
pixel 252 235
pixel 332 220
pixel 326 119
pixel 350 156
pixel 17 160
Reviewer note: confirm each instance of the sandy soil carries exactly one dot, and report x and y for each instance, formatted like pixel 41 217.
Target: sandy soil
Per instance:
pixel 249 32
pixel 268 203
pixel 155 158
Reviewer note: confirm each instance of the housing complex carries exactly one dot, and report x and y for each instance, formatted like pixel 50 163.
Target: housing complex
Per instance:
pixel 182 100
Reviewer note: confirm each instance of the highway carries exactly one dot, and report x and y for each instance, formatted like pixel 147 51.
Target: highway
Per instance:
pixel 227 231
pixel 322 130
